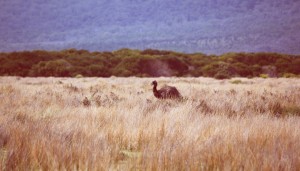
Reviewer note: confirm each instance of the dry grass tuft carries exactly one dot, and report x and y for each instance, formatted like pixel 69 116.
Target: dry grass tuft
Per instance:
pixel 117 124
pixel 86 102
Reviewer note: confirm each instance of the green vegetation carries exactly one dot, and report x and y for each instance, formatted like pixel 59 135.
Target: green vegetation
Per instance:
pixel 147 63
pixel 236 82
pixel 263 76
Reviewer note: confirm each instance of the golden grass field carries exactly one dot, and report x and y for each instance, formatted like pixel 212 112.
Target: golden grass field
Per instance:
pixel 117 124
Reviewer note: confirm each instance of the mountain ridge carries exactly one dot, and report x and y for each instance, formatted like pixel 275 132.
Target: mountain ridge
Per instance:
pixel 216 26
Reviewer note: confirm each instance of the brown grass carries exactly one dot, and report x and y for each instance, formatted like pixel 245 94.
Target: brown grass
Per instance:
pixel 46 124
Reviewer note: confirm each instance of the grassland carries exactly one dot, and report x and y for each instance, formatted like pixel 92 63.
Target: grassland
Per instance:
pixel 117 124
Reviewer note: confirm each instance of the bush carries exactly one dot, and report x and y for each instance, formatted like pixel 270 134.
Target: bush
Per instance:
pixel 57 68
pixel 264 76
pixel 236 82
pixel 177 65
pixel 98 70
pixel 242 70
pixel 289 75
pixel 150 62
pixel 210 70
pixel 78 76
pixel 221 75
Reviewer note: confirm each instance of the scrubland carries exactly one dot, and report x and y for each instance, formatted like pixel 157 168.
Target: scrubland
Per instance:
pixel 117 124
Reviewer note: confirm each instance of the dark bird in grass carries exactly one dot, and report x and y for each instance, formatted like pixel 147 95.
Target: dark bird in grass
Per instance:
pixel 166 92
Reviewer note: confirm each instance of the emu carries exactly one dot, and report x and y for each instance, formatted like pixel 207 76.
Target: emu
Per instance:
pixel 167 92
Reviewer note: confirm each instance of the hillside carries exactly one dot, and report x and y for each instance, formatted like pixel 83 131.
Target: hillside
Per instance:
pixel 209 26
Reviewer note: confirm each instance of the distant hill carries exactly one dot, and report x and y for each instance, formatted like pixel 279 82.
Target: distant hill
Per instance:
pixel 209 26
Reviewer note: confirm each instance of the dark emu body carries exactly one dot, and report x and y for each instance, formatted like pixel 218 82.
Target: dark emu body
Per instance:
pixel 167 92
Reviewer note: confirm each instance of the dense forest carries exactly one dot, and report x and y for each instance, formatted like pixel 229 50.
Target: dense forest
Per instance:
pixel 147 63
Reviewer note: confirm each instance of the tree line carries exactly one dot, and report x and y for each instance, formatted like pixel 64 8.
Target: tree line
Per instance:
pixel 147 63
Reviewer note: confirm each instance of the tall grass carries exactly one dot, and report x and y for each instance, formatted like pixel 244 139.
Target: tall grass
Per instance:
pixel 45 124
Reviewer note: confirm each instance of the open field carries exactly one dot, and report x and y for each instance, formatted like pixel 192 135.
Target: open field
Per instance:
pixel 117 124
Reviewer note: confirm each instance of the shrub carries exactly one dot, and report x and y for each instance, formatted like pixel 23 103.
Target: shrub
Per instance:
pixel 264 76
pixel 154 52
pixel 98 70
pixel 236 82
pixel 70 62
pixel 210 69
pixel 289 75
pixel 242 69
pixel 221 75
pixel 176 64
pixel 78 76
pixel 59 68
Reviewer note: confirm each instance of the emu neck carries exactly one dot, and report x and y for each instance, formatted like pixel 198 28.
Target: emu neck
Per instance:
pixel 155 92
pixel 155 89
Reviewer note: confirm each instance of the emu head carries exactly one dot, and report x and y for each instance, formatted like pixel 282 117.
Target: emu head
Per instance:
pixel 154 83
